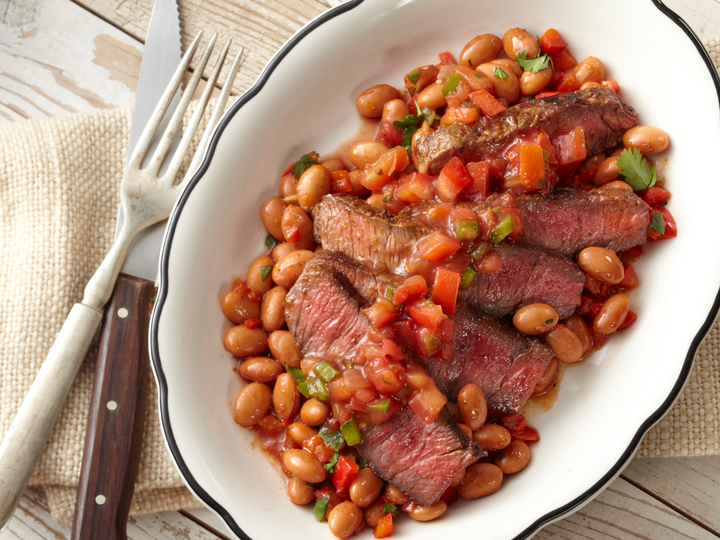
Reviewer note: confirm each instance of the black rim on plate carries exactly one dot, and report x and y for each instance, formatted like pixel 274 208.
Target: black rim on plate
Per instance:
pixel 162 295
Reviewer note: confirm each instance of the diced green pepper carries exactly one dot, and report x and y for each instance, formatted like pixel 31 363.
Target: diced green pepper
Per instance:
pixel 389 292
pixel 332 437
pixel 330 465
pixel 451 84
pixel 480 252
pixel 379 405
pixel 326 371
pixel 316 387
pixel 466 229
pixel 413 76
pixel 351 432
pixel 467 277
pixel 502 229
pixel 320 507
pixel 303 389
pixel 296 373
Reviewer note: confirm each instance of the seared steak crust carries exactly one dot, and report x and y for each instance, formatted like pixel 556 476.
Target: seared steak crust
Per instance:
pixel 570 219
pixel 603 116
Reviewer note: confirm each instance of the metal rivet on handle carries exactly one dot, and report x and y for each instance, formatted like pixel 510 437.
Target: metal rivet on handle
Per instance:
pixel 100 499
pixel 112 405
pixel 122 312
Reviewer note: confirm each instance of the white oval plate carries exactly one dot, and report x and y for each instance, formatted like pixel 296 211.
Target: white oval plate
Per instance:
pixel 304 100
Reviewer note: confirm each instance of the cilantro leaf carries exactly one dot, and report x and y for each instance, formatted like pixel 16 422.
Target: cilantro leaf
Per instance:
pixel 658 223
pixel 265 271
pixel 390 508
pixel 330 465
pixel 499 73
pixel 269 241
pixel 550 321
pixel 636 169
pixel 532 64
pixel 320 507
pixel 409 126
pixel 302 165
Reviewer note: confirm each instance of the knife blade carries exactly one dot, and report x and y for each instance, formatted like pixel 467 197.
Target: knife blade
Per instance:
pixel 116 420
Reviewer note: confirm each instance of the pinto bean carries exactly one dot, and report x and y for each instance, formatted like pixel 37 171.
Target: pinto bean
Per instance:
pixel 241 342
pixel 299 492
pixel 254 278
pixel 260 369
pixel 299 432
pixel 297 227
pixel 365 487
pixel 304 465
pixel 374 513
pixel 514 458
pixel 395 496
pixel 602 264
pixel 272 212
pixel 370 102
pixel 648 139
pixel 286 398
pixel 272 312
pixel 252 404
pixel 535 319
pixel 431 96
pixel 507 88
pixel 288 269
pixel 492 437
pixel 577 326
pixel 312 186
pixel 366 153
pixel 508 65
pixel 282 249
pixel 617 184
pixel 314 412
pixel 239 307
pixel 548 378
pixel 565 344
pixel 395 111
pixel 590 70
pixel 607 171
pixel 334 164
pixel 473 406
pixel 427 513
pixel 284 349
pixel 532 83
pixel 481 479
pixel 288 187
pixel 479 50
pixel 516 40
pixel 612 314
pixel 345 519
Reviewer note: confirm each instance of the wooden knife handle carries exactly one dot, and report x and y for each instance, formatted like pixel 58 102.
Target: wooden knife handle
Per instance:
pixel 117 415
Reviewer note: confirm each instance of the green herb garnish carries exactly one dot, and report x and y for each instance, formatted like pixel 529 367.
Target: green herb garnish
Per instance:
pixel 296 373
pixel 658 223
pixel 330 465
pixel 550 321
pixel 270 241
pixel 332 437
pixel 320 507
pixel 390 508
pixel 408 126
pixel 499 73
pixel 265 271
pixel 413 76
pixel 326 371
pixel 302 165
pixel 532 64
pixel 636 169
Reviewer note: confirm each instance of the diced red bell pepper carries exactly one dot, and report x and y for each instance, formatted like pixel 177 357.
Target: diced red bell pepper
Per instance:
pixel 447 59
pixel 453 178
pixel 410 289
pixel 567 82
pixel 437 246
pixel 532 166
pixel 656 195
pixel 345 471
pixel 416 187
pixel 478 191
pixel 630 318
pixel 252 323
pixel 546 94
pixel 487 103
pixel 551 42
pixel 563 61
pixel 527 434
pixel 381 312
pixel 293 235
pixel 632 255
pixel 341 182
pixel 630 280
pixel 611 84
pixel 445 290
pixel 316 446
pixel 670 225
pixel 425 313
pixel 384 528
pixel 513 422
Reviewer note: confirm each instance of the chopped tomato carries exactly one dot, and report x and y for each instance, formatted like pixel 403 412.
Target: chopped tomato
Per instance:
pixel 513 422
pixel 381 312
pixel 445 354
pixel 317 447
pixel 527 434
pixel 670 225
pixel 386 375
pixel 341 182
pixel 345 471
pixel 551 42
pixel 449 495
pixel 567 82
pixel 427 341
pixel 388 349
pixel 293 235
pixel 447 59
pixel 570 148
pixel 437 246
pixel 416 377
pixel 611 84
pixel 379 174
pixel 630 281
pixel 340 413
pixel 487 103
pixel 630 318
pixel 563 61
pixel 478 191
pixel 384 528
pixel 598 339
pixel 252 323
pixel 453 178
pixel 656 195
pixel 491 263
pixel 446 330
pixel 388 135
pixel 516 215
pixel 416 187
pixel 459 115
pixel 425 313
pixel 427 403
pixel 486 223
pixel 532 166
pixel 445 290
pixel 413 287
pixel 632 255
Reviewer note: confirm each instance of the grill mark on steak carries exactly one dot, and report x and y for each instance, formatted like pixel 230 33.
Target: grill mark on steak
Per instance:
pixel 503 362
pixel 601 113
pixel 528 275
pixel 570 219
pixel 324 313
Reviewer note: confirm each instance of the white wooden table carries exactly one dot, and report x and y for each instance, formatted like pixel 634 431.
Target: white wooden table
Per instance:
pixel 63 56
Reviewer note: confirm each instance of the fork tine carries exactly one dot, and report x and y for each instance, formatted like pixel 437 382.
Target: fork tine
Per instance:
pixel 177 160
pixel 214 118
pixel 149 132
pixel 167 137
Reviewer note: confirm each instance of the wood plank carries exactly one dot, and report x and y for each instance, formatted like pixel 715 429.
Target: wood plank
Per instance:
pixel 32 521
pixel 691 485
pixel 57 58
pixel 624 512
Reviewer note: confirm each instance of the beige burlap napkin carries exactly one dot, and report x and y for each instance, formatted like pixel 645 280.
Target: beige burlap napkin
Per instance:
pixel 58 204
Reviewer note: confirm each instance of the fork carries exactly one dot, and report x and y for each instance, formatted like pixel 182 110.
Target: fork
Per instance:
pixel 146 197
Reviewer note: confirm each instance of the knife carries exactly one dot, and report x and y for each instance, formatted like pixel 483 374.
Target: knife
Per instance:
pixel 116 420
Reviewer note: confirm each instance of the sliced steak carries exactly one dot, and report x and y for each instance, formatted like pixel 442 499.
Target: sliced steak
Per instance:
pixel 570 219
pixel 503 362
pixel 323 311
pixel 420 459
pixel 603 116
pixel 386 243
pixel 528 275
